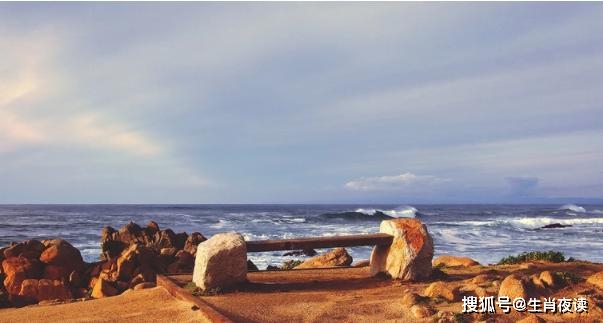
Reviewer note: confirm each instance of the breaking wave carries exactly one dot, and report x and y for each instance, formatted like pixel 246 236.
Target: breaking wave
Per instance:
pixel 573 208
pixel 406 211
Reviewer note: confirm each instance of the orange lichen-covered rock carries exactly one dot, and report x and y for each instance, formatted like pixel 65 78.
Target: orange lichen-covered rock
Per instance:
pixel 17 269
pixel 596 279
pixel 454 261
pixel 337 257
pixel 410 254
pixel 513 287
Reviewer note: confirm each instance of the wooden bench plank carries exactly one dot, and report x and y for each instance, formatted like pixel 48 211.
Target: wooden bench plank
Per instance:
pixel 381 239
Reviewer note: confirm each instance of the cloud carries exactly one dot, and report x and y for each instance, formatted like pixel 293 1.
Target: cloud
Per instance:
pixel 521 186
pixel 395 182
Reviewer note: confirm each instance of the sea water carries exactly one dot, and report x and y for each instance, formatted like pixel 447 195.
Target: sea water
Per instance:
pixel 485 233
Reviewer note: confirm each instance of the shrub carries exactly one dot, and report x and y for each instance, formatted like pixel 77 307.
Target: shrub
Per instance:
pixel 552 256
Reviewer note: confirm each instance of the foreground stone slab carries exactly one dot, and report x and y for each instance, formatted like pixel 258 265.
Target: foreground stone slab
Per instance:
pixel 221 261
pixel 410 254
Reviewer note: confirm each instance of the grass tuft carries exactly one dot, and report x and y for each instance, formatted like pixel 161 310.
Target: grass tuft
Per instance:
pixel 552 256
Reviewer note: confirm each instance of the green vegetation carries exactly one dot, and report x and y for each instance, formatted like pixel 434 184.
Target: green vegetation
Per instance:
pixel 552 256
pixel 196 291
pixel 290 264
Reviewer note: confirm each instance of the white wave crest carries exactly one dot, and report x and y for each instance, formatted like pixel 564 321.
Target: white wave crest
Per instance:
pixel 573 207
pixel 406 211
pixel 534 223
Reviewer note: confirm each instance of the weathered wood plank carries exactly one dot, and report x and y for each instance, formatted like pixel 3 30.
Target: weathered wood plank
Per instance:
pixel 209 313
pixel 320 242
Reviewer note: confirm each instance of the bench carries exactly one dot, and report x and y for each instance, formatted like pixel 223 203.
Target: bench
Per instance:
pixel 378 239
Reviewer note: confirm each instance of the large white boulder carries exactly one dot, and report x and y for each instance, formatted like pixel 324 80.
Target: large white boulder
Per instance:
pixel 221 261
pixel 410 254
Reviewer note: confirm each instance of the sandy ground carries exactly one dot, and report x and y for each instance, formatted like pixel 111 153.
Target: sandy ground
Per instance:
pixel 149 305
pixel 318 295
pixel 350 294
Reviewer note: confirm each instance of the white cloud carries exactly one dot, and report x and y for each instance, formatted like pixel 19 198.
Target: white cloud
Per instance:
pixel 395 182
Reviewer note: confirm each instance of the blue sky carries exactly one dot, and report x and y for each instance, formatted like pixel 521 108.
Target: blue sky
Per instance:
pixel 300 102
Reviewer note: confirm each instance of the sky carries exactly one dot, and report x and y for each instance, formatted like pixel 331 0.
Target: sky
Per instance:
pixel 301 102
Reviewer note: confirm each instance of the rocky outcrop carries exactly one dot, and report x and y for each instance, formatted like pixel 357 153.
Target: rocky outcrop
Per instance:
pixel 221 261
pixel 443 290
pixel 337 257
pixel 421 311
pixel 410 254
pixel 596 279
pixel 34 271
pixel 454 261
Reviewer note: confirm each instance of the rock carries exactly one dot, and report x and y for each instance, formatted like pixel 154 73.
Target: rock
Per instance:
pixel 337 257
pixel 362 263
pixel 28 294
pixel 513 287
pixel 166 239
pixel 410 299
pixel 251 266
pixel 537 282
pixel 421 311
pixel 52 289
pixel 61 253
pixel 532 319
pixel 555 226
pixel 454 261
pixel 170 252
pixel 18 269
pixel 28 249
pixel 144 286
pixel 305 252
pixel 152 228
pixel 596 279
pixel 549 279
pixel 443 290
pixel 126 263
pixel 130 233
pixel 221 261
pixel 483 278
pixel 103 288
pixel 54 272
pixel 180 240
pixel 410 254
pixel 192 241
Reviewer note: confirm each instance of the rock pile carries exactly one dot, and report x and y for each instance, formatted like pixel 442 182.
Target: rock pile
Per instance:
pixel 34 271
pixel 133 255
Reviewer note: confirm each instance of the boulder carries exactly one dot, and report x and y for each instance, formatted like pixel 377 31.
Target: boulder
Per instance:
pixel 180 240
pixel 549 279
pixel 54 272
pixel 221 261
pixel 454 261
pixel 28 249
pixel 443 290
pixel 337 257
pixel 513 287
pixel 192 241
pixel 410 299
pixel 410 254
pixel 130 233
pixel 596 279
pixel 126 263
pixel 165 239
pixel 251 266
pixel 556 226
pixel 103 288
pixel 52 289
pixel 18 269
pixel 421 311
pixel 61 253
pixel 28 294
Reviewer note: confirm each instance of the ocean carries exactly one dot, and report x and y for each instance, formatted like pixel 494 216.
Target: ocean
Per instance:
pixel 485 233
